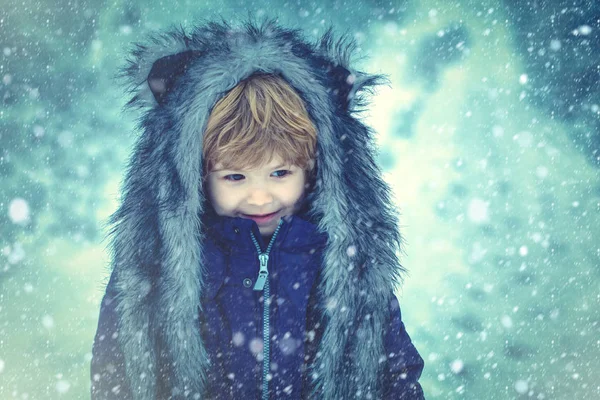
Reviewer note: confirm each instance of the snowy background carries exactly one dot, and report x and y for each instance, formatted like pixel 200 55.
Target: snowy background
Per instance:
pixel 489 135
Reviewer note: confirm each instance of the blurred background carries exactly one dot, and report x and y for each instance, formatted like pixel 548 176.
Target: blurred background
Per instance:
pixel 489 134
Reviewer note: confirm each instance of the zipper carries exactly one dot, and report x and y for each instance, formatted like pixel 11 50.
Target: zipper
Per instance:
pixel 262 283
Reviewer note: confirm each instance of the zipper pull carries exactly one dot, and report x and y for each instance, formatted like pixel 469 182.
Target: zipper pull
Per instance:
pixel 263 273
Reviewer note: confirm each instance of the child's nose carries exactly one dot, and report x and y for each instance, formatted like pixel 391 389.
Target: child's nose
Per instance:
pixel 259 197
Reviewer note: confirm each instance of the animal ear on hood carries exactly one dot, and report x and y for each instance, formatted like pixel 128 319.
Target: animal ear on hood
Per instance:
pixel 166 70
pixel 343 82
pixel 351 88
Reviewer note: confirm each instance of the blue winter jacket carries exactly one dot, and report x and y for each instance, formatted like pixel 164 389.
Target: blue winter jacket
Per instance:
pixel 232 323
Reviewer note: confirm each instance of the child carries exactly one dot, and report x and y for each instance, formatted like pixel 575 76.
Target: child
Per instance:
pixel 255 249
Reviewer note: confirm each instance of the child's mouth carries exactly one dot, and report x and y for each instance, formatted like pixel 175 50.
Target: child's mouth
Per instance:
pixel 261 219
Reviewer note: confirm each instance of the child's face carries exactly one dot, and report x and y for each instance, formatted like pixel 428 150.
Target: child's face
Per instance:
pixel 275 188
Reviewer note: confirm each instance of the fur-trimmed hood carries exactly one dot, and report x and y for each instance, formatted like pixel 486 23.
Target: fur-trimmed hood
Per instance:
pixel 157 232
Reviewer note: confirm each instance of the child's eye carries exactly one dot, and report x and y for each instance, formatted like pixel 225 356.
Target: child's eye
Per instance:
pixel 234 177
pixel 281 173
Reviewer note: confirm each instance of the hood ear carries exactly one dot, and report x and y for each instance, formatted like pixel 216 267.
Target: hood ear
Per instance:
pixel 165 72
pixel 343 82
pixel 351 88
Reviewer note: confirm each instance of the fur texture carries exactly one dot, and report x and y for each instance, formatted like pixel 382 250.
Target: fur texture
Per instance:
pixel 157 236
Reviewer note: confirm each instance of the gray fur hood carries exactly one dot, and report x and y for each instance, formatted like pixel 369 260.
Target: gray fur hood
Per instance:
pixel 156 235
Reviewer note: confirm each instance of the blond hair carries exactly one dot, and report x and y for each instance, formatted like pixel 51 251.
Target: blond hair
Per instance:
pixel 260 118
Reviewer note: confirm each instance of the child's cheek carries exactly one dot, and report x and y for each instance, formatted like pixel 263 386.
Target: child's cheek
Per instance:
pixel 223 199
pixel 212 193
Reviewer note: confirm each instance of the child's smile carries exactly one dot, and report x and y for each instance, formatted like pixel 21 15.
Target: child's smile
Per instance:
pixel 262 219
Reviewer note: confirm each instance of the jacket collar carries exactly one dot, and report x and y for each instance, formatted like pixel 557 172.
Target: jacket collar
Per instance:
pixel 234 233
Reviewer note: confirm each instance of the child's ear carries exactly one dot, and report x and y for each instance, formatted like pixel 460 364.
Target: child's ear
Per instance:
pixel 165 72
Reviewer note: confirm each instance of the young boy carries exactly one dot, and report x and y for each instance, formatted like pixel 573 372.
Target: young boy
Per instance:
pixel 255 251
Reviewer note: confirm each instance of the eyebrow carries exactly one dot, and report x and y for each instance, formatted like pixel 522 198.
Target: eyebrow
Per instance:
pixel 233 169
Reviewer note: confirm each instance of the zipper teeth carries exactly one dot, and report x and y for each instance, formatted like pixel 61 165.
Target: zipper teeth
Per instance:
pixel 266 327
pixel 270 241
pixel 266 342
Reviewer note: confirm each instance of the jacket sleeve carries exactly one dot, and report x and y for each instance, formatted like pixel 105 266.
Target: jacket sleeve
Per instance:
pixel 404 364
pixel 107 373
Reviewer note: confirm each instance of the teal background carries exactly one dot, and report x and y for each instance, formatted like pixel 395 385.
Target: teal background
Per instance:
pixel 488 135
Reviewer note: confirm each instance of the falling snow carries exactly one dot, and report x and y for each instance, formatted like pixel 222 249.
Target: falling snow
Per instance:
pixel 18 211
pixel 488 134
pixel 238 339
pixel 256 347
pixel 351 251
pixel 457 366
pixel 478 211
pixel 62 386
pixel 521 387
pixel 48 322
